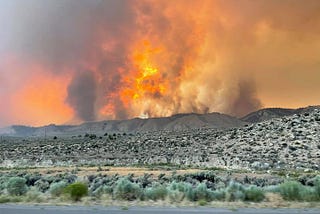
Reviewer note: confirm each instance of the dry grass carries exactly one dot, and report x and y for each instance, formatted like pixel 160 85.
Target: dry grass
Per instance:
pixel 275 200
pixel 85 171
pixel 272 201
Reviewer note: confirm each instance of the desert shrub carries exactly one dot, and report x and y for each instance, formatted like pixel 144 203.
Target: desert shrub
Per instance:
pixel 10 199
pixel 32 178
pixel 272 188
pixel 254 193
pixel 42 185
pixel 202 202
pixel 219 194
pixel 126 190
pixel 3 183
pixel 176 195
pixel 220 185
pixel 69 178
pixel 33 195
pixel 179 186
pixel 156 192
pixel 316 185
pixel 4 199
pixel 200 176
pixel 56 189
pixel 17 186
pixel 308 194
pixel 177 191
pixel 103 189
pixel 312 192
pixel 76 191
pixel 145 180
pixel 235 192
pixel 291 190
pixel 201 192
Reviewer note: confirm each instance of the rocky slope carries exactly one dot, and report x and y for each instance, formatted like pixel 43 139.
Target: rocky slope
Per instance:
pixel 291 142
pixel 175 122
pixel 269 113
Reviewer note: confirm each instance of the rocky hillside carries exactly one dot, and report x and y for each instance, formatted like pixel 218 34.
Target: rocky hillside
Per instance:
pixel 176 122
pixel 291 142
pixel 269 113
pixel 287 142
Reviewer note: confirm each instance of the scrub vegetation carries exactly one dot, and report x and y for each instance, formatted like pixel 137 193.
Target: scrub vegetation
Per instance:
pixel 201 188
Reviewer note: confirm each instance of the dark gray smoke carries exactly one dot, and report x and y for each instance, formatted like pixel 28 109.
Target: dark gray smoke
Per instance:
pixel 246 101
pixel 82 95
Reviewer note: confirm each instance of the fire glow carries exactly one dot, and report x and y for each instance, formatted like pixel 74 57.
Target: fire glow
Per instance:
pixel 99 60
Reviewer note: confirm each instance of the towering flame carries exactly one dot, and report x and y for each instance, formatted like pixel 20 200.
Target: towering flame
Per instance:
pixel 72 61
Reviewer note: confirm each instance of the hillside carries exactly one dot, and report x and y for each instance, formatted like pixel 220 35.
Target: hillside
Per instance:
pixel 175 122
pixel 269 113
pixel 290 142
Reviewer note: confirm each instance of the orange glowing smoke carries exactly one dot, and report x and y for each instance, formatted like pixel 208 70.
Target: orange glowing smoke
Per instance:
pixel 145 80
pixel 162 62
pixel 37 98
pixel 43 101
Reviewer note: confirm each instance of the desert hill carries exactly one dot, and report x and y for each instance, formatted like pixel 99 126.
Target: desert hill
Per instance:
pixel 270 113
pixel 175 122
pixel 289 142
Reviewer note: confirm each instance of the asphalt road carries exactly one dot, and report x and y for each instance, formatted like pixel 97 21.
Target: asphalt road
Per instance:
pixel 23 209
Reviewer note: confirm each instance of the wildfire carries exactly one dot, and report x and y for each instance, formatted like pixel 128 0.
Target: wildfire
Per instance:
pixel 145 80
pixel 103 60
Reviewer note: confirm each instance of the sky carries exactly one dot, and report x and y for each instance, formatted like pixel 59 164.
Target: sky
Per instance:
pixel 71 61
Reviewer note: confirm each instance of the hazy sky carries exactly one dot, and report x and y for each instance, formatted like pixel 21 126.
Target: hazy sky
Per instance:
pixel 70 61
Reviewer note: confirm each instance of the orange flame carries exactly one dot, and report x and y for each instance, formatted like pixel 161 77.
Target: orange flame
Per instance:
pixel 146 79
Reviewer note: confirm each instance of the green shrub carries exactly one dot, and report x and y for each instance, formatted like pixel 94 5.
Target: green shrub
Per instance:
pixel 235 192
pixel 17 186
pixel 177 191
pixel 180 186
pixel 291 190
pixel 317 186
pixel 202 202
pixel 308 194
pixel 3 183
pixel 76 191
pixel 126 190
pixel 220 185
pixel 219 195
pixel 254 193
pixel 156 192
pixel 104 189
pixel 203 193
pixel 272 188
pixel 42 185
pixel 56 189
pixel 176 196
pixel 4 199
pixel 10 199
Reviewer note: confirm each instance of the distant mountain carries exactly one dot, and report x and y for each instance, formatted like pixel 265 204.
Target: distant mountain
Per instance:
pixel 269 113
pixel 175 122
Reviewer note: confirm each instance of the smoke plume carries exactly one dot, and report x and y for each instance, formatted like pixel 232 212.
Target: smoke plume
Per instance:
pixel 82 95
pixel 121 59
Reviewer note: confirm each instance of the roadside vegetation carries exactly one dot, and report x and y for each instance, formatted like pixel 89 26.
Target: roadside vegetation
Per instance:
pixel 201 188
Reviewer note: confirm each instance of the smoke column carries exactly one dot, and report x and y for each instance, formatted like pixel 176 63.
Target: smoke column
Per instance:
pixel 79 60
pixel 82 95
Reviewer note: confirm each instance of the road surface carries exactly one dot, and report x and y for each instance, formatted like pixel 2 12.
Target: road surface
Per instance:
pixel 24 209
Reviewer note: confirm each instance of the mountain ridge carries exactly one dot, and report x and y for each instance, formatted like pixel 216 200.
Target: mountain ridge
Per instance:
pixel 183 121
